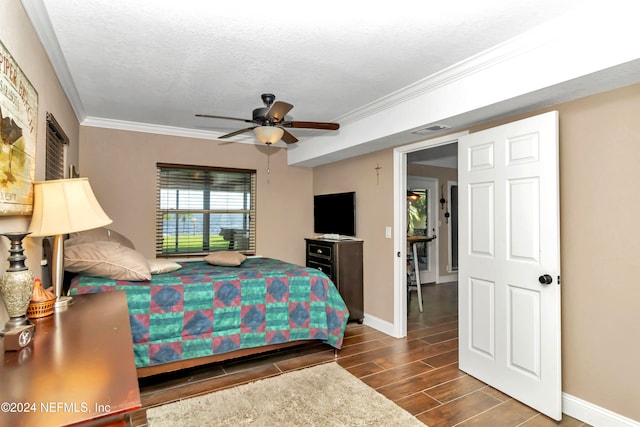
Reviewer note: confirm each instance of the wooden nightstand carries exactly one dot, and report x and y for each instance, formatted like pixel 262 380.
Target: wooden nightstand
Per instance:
pixel 80 368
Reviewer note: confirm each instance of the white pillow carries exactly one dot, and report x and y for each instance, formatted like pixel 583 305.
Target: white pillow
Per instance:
pixel 106 259
pixel 98 235
pixel 160 266
pixel 225 258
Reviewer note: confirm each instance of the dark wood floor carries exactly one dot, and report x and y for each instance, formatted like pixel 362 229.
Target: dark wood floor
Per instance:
pixel 420 372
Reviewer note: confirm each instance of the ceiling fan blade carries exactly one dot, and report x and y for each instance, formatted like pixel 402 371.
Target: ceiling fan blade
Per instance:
pixel 238 132
pixel 224 117
pixel 277 111
pixel 288 138
pixel 311 125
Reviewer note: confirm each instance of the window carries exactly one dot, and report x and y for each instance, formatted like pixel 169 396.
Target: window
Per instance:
pixel 418 216
pixel 202 209
pixel 56 142
pixel 419 221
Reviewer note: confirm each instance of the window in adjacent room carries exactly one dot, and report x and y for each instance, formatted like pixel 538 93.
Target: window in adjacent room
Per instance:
pixel 57 141
pixel 205 209
pixel 418 221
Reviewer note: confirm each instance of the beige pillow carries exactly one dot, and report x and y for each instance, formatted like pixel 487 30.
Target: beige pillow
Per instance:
pixel 98 235
pixel 160 266
pixel 225 258
pixel 106 259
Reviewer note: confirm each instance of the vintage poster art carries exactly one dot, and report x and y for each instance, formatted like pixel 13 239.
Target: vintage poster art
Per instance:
pixel 19 113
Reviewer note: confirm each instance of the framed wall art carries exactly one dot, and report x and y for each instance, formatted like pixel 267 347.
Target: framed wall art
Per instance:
pixel 19 114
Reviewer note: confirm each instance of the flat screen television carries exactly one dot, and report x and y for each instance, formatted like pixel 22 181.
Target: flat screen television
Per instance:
pixel 335 213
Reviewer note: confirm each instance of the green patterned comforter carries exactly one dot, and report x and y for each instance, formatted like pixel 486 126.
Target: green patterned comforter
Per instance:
pixel 203 309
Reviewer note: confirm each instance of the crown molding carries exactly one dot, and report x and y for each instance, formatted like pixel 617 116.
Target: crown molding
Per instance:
pixel 507 50
pixel 37 13
pixel 100 122
pixel 168 130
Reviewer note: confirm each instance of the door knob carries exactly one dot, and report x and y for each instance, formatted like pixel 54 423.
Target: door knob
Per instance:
pixel 545 279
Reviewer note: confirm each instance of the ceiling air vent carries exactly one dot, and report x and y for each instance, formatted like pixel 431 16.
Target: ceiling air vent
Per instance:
pixel 430 129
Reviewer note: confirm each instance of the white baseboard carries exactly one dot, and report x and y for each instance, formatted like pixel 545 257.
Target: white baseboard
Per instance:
pixel 379 324
pixel 448 278
pixel 593 414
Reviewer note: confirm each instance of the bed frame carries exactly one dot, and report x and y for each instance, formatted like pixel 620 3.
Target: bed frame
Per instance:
pixel 165 368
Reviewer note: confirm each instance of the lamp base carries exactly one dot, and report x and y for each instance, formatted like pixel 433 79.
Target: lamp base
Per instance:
pixel 62 303
pixel 15 323
pixel 16 285
pixel 19 338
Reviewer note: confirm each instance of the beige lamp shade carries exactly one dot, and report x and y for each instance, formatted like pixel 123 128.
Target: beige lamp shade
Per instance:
pixel 268 134
pixel 65 206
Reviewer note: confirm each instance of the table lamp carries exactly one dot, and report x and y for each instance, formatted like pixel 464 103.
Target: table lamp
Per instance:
pixel 60 207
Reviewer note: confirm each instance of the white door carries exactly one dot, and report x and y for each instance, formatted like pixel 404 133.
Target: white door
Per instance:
pixel 509 320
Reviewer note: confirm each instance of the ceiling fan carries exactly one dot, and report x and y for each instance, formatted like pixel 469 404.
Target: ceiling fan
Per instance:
pixel 269 122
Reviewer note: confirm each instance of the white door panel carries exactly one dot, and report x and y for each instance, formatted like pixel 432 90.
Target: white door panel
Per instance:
pixel 482 318
pixel 523 216
pixel 509 237
pixel 482 218
pixel 523 330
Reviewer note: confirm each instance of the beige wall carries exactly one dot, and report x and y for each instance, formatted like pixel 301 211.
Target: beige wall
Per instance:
pixel 600 249
pixel 374 212
pixel 443 175
pixel 600 243
pixel 18 36
pixel 121 166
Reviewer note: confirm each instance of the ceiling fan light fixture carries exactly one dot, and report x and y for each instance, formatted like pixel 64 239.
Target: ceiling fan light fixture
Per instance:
pixel 412 195
pixel 268 134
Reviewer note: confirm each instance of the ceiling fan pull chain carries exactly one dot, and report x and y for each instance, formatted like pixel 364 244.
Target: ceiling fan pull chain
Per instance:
pixel 268 162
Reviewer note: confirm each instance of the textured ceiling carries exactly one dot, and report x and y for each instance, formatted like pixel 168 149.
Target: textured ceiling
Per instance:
pixel 160 62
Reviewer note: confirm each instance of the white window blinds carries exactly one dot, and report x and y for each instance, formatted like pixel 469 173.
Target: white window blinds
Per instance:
pixel 202 210
pixel 56 141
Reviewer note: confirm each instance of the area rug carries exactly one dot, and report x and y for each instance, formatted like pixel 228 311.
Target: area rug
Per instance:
pixel 323 395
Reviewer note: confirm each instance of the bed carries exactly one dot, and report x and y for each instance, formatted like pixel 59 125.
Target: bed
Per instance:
pixel 202 313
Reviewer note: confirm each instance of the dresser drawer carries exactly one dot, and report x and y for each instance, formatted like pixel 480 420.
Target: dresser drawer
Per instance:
pixel 325 268
pixel 319 250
